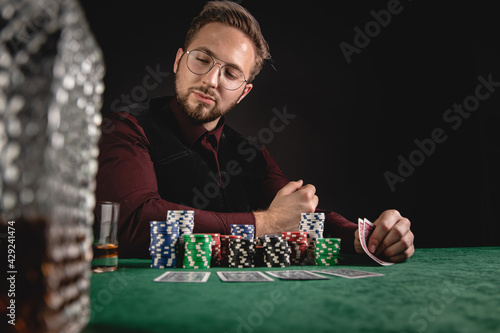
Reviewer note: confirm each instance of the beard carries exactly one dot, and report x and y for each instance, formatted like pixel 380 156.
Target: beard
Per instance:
pixel 197 113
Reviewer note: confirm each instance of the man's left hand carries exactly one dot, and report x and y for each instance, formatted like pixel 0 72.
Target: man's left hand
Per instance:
pixel 391 239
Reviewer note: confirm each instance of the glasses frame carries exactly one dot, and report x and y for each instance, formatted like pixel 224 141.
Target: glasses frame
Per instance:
pixel 220 69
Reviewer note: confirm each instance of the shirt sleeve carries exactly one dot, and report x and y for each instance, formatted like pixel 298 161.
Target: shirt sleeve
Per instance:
pixel 336 226
pixel 126 175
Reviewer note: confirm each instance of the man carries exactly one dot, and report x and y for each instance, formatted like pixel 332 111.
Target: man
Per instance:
pixel 180 154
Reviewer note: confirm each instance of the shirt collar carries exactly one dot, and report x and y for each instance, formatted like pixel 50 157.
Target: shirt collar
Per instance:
pixel 194 132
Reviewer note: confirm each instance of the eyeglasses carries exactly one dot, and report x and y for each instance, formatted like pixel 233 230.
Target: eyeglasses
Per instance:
pixel 200 63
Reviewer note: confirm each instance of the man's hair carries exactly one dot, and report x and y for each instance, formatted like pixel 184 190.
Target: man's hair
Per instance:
pixel 234 15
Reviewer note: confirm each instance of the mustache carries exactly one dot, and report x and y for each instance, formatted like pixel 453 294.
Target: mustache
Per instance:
pixel 207 91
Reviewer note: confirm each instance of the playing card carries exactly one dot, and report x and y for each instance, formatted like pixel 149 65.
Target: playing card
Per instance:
pixel 296 275
pixel 365 229
pixel 246 276
pixel 348 273
pixel 183 277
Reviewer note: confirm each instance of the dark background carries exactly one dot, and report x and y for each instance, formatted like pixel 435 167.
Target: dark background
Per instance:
pixel 353 119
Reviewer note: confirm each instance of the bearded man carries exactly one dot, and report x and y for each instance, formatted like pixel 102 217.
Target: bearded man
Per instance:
pixel 180 154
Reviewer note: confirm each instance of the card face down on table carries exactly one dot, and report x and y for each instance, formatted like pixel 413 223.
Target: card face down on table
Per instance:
pixel 183 277
pixel 348 273
pixel 296 275
pixel 252 276
pixel 255 276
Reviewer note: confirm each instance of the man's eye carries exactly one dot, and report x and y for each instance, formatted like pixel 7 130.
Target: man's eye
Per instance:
pixel 202 60
pixel 231 74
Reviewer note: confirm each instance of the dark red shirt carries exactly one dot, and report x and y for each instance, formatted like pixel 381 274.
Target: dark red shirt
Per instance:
pixel 126 175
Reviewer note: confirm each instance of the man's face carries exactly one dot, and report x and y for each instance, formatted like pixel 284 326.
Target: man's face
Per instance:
pixel 202 97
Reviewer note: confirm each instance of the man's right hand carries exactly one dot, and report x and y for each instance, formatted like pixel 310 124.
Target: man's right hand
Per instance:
pixel 284 212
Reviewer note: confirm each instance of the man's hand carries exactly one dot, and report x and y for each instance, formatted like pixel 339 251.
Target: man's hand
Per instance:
pixel 391 238
pixel 284 212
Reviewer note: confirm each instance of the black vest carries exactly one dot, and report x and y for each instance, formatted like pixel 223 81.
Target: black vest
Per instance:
pixel 184 176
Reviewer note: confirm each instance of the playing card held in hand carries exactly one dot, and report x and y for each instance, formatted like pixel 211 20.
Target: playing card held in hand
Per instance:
pixel 365 230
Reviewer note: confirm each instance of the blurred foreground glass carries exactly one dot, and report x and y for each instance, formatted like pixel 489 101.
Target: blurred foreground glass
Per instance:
pixel 51 86
pixel 105 245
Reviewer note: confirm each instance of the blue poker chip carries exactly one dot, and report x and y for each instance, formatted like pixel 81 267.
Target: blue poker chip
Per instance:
pixel 312 214
pixel 165 235
pixel 246 231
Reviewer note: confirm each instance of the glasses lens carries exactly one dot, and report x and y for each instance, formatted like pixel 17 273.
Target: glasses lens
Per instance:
pixel 231 78
pixel 199 62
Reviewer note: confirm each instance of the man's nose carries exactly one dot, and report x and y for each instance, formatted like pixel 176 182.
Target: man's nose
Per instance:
pixel 212 77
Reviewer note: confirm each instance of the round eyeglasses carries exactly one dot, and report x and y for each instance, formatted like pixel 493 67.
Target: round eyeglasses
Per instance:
pixel 200 62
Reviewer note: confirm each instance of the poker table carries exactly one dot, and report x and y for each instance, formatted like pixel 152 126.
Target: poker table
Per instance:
pixel 437 290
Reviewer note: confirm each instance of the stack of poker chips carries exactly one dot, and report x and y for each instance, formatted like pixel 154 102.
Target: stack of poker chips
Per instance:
pixel 246 231
pixel 164 237
pixel 216 250
pixel 241 253
pixel 197 251
pixel 298 246
pixel 185 219
pixel 313 224
pixel 327 251
pixel 276 251
pixel 224 249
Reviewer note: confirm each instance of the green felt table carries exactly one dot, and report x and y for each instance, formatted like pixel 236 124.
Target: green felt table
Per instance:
pixel 437 290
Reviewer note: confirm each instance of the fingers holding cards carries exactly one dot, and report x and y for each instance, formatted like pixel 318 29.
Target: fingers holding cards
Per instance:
pixel 366 228
pixel 389 237
pixel 392 237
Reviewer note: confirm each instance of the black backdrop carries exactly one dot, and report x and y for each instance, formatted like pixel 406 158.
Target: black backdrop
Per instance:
pixel 355 121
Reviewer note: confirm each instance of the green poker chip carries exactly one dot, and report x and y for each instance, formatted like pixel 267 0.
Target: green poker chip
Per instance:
pixel 327 251
pixel 197 251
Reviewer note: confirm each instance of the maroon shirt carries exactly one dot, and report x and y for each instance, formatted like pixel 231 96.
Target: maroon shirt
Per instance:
pixel 127 175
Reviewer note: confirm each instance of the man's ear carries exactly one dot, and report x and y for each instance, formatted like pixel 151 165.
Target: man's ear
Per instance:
pixel 178 57
pixel 247 89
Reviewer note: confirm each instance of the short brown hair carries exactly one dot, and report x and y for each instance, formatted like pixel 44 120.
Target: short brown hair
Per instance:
pixel 234 15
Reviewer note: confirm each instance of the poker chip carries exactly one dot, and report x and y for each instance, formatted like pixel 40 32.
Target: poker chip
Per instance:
pixel 185 220
pixel 224 248
pixel 164 237
pixel 298 246
pixel 173 244
pixel 326 252
pixel 241 252
pixel 167 242
pixel 216 250
pixel 313 224
pixel 276 251
pixel 246 231
pixel 197 251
